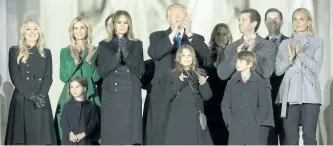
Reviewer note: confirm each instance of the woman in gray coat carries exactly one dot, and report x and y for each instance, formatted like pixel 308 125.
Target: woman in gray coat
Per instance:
pixel 300 58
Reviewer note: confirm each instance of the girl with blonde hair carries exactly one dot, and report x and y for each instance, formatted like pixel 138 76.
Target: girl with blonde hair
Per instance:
pixel 30 69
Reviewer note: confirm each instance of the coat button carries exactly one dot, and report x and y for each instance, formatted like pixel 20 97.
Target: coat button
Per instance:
pixel 244 94
pixel 27 65
pixel 241 120
pixel 128 70
pixel 40 79
pixel 115 90
pixel 241 107
pixel 115 71
pixel 116 84
pixel 28 78
pixel 28 72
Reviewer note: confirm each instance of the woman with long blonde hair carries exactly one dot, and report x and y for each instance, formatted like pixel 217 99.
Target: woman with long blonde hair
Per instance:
pixel 300 59
pixel 30 68
pixel 78 59
pixel 187 89
pixel 120 64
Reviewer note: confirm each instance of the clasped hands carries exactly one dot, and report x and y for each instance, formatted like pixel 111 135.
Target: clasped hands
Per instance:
pixel 292 53
pixel 76 138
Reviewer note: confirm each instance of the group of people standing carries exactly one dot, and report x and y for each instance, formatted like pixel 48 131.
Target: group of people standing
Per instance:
pixel 224 93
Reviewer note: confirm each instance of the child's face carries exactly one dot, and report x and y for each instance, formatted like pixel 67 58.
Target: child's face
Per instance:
pixel 186 58
pixel 242 65
pixel 76 89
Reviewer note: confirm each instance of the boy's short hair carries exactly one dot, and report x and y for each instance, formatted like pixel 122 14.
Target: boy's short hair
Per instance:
pixel 249 57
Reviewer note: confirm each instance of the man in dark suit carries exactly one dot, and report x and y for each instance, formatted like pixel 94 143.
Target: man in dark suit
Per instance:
pixel 162 49
pixel 265 51
pixel 273 22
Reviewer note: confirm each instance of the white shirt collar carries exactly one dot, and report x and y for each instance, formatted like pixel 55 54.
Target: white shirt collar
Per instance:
pixel 246 78
pixel 278 37
pixel 246 39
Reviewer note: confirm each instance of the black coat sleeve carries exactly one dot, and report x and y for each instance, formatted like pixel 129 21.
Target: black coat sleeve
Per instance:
pixel 93 121
pixel 106 58
pixel 148 75
pixel 264 104
pixel 14 74
pixel 159 45
pixel 64 121
pixel 202 51
pixel 47 81
pixel 134 59
pixel 205 91
pixel 226 105
pixel 174 86
pixel 227 67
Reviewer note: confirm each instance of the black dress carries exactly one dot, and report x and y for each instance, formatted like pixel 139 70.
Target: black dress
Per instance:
pixel 121 103
pixel 78 117
pixel 182 124
pixel 28 124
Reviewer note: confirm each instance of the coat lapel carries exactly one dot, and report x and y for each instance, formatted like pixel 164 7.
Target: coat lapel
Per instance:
pixel 258 43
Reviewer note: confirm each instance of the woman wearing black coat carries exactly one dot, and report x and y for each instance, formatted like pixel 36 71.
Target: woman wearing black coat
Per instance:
pixel 220 37
pixel 120 64
pixel 30 119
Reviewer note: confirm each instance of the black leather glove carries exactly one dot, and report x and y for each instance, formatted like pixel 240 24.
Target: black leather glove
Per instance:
pixel 38 99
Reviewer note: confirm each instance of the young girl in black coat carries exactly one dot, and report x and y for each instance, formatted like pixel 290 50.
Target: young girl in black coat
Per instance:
pixel 79 116
pixel 187 88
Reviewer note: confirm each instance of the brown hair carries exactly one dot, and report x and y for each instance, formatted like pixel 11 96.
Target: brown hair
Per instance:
pixel 179 67
pixel 249 57
pixel 81 80
pixel 212 42
pixel 115 17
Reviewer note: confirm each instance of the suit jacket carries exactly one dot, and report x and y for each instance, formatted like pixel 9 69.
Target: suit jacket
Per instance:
pixel 300 82
pixel 276 80
pixel 265 53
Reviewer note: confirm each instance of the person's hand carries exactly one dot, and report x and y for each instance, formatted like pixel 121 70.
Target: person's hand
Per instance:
pixel 77 62
pixel 72 137
pixel 251 45
pixel 175 30
pixel 203 80
pixel 80 136
pixel 187 24
pixel 182 77
pixel 239 48
pixel 291 54
pixel 298 48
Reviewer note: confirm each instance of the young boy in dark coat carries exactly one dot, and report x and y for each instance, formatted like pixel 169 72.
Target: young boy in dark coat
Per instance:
pixel 247 105
pixel 79 116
